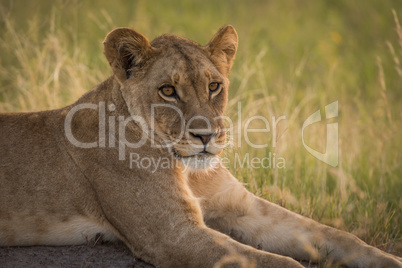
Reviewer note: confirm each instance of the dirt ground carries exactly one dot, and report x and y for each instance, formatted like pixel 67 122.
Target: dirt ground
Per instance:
pixel 113 255
pixel 103 255
pixel 85 256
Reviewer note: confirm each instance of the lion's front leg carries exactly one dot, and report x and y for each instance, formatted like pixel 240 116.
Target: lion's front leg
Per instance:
pixel 160 220
pixel 228 207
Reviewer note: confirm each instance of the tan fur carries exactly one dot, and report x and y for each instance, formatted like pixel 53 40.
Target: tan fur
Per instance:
pixel 55 193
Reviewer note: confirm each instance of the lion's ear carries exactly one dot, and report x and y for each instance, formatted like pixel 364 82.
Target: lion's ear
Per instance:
pixel 125 49
pixel 222 48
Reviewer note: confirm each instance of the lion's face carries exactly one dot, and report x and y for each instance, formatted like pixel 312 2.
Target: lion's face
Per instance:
pixel 178 87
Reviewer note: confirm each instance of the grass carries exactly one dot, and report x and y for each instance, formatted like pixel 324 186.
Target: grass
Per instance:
pixel 293 59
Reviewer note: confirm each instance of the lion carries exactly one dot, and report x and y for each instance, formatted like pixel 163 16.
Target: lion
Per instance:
pixel 79 172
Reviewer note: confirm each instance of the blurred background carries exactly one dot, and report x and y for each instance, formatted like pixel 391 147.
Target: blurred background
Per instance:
pixel 294 58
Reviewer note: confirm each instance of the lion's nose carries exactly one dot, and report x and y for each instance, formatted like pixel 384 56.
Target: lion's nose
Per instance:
pixel 205 138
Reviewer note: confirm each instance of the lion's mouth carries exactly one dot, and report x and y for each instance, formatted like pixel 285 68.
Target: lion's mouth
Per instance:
pixel 200 155
pixel 197 161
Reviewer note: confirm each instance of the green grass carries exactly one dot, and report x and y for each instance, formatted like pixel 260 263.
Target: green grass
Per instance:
pixel 294 57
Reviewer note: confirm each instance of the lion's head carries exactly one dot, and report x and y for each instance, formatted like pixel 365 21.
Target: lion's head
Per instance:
pixel 178 87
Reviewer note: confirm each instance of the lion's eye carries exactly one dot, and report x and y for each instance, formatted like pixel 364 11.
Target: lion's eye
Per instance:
pixel 214 86
pixel 168 90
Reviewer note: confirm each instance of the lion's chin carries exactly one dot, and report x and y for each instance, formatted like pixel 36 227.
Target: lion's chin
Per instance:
pixel 199 161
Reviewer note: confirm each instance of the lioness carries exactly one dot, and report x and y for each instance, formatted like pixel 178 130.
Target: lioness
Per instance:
pixel 67 175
